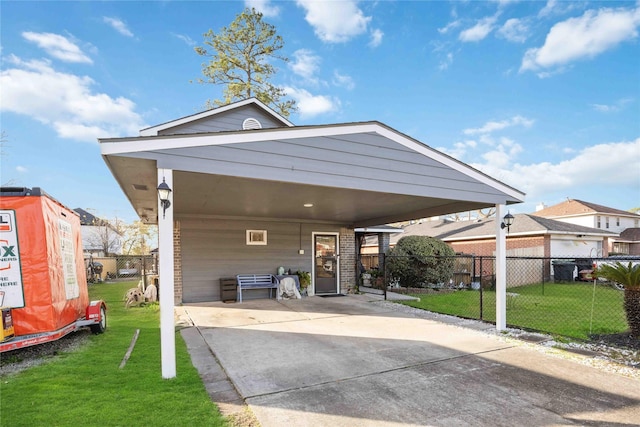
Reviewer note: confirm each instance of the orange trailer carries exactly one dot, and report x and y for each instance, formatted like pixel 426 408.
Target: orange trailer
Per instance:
pixel 43 283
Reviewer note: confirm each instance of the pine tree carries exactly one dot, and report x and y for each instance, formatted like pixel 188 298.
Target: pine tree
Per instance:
pixel 241 59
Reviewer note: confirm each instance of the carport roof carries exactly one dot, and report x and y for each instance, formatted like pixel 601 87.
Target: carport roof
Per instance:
pixel 357 174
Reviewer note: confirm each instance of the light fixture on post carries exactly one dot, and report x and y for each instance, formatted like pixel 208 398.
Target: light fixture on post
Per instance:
pixel 163 194
pixel 507 221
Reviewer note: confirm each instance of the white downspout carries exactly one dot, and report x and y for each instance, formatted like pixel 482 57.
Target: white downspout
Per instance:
pixel 501 270
pixel 165 270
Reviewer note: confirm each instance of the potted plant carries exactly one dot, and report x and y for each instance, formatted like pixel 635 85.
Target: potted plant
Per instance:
pixel 377 278
pixel 304 277
pixel 629 277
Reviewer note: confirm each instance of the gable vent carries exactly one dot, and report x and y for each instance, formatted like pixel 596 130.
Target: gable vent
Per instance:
pixel 251 123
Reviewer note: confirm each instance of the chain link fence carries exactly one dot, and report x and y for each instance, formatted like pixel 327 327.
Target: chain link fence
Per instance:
pixel 120 267
pixel 552 295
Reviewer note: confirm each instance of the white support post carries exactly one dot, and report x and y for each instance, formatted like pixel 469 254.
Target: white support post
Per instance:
pixel 501 270
pixel 165 270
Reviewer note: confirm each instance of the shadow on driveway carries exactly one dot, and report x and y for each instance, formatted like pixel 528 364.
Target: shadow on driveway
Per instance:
pixel 348 362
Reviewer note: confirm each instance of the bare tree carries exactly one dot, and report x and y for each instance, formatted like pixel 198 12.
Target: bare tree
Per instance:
pixel 105 235
pixel 139 238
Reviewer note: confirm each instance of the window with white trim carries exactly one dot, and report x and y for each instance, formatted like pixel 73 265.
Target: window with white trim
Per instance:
pixel 256 237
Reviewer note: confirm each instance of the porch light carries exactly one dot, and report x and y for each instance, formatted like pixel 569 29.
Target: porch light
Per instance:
pixel 507 221
pixel 163 194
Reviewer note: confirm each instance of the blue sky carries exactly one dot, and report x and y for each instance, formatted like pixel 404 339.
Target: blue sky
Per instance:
pixel 544 96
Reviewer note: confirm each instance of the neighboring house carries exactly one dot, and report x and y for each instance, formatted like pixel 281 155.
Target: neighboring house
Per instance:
pixel 99 237
pixel 252 192
pixel 623 223
pixel 628 242
pixel 528 236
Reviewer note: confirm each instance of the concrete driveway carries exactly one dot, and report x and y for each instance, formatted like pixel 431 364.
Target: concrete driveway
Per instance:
pixel 352 361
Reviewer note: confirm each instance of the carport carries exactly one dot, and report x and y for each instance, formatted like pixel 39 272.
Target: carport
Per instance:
pixel 242 168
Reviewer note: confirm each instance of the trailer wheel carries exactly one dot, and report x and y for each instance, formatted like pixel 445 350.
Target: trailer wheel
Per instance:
pixel 100 327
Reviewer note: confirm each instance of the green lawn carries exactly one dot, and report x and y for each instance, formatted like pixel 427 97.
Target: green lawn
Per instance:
pixel 86 388
pixel 557 308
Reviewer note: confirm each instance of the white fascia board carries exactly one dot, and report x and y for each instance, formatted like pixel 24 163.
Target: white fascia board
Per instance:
pixel 525 234
pixel 390 230
pixel 142 144
pixel 154 130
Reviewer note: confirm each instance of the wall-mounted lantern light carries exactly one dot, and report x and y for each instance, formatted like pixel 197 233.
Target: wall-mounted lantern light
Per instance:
pixel 163 194
pixel 507 221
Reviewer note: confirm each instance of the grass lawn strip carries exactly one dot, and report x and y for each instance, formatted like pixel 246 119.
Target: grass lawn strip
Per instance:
pixel 562 309
pixel 86 387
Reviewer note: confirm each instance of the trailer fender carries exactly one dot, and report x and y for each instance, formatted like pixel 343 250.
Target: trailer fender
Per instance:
pixel 97 313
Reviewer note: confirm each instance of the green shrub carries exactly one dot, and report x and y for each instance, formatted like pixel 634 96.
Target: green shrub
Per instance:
pixel 420 261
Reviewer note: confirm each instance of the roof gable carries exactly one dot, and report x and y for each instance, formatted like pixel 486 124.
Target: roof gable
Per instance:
pixel 361 174
pixel 226 118
pixel 574 207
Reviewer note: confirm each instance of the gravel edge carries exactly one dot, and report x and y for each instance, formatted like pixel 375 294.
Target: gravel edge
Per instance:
pixel 624 362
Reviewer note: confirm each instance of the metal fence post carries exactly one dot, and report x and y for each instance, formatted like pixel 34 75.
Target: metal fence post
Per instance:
pixel 384 264
pixel 543 269
pixel 481 297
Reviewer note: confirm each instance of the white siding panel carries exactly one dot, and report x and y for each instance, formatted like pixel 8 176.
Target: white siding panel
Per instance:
pixel 226 121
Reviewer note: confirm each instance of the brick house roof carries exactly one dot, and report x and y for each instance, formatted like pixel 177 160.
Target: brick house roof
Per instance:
pixel 523 224
pixel 573 207
pixel 631 235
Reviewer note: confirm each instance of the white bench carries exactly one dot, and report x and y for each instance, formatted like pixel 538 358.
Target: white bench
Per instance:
pixel 256 281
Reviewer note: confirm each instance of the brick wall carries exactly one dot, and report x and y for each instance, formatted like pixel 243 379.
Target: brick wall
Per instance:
pixel 177 264
pixel 487 247
pixel 347 260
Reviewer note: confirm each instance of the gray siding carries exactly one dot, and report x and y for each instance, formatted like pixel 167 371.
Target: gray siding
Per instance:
pixel 215 248
pixel 225 121
pixel 362 162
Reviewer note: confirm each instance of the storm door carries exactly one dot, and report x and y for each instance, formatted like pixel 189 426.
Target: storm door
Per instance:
pixel 326 258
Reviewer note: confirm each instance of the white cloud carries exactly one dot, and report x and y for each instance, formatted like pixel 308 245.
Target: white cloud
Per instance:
pixel 459 148
pixel 502 3
pixel 343 80
pixel 479 31
pixel 445 63
pixel 493 126
pixel 263 6
pixel 305 64
pixel 503 154
pixel 66 102
pixel 603 164
pixel 188 40
pixel 548 8
pixel 555 8
pixel 617 106
pixel 21 169
pixel 118 25
pixel 376 38
pixel 514 30
pixel 335 22
pixel 450 26
pixel 583 37
pixel 312 105
pixel 57 46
